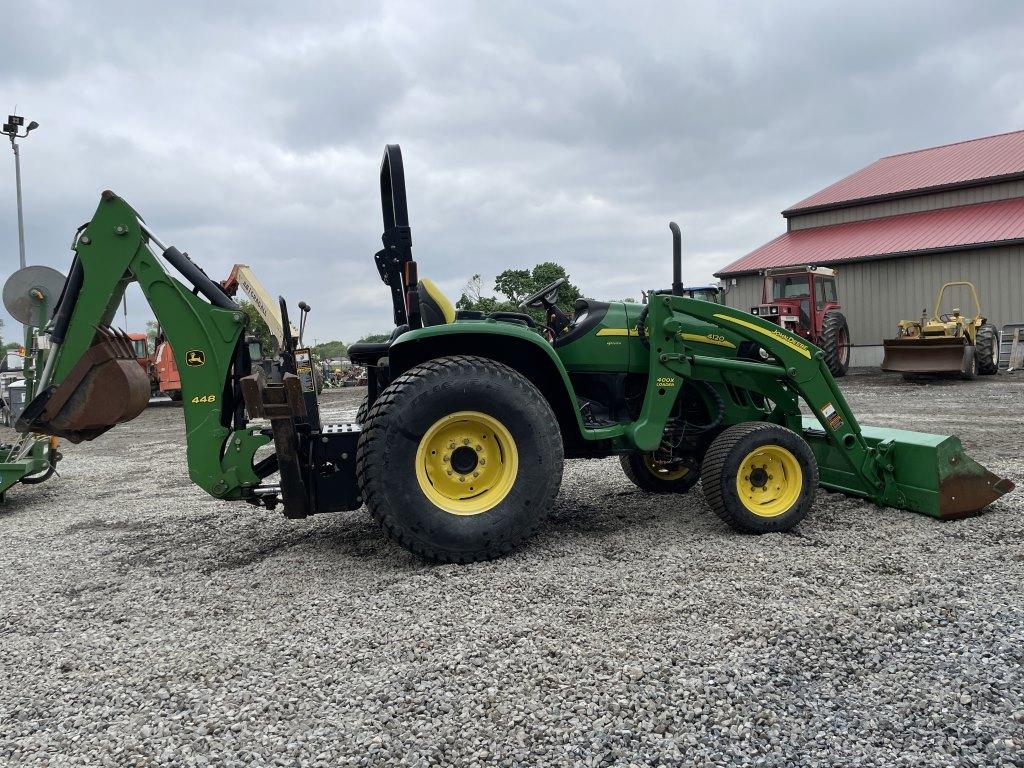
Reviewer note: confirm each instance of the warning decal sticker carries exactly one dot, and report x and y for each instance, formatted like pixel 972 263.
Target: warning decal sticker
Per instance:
pixel 832 417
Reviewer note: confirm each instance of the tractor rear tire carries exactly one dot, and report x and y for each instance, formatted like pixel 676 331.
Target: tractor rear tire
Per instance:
pixel 649 477
pixel 835 343
pixel 363 410
pixel 440 429
pixel 760 477
pixel 986 350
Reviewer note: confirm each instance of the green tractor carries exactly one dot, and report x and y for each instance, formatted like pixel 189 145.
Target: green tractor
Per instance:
pixel 470 416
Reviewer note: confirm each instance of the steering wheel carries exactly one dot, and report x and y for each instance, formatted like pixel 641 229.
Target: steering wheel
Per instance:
pixel 555 319
pixel 547 295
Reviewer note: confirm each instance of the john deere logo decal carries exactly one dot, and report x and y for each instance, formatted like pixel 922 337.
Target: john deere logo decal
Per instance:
pixel 195 358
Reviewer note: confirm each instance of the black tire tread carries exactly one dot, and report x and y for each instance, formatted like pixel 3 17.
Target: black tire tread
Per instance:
pixel 371 445
pixel 986 346
pixel 714 464
pixel 831 324
pixel 642 480
pixel 972 370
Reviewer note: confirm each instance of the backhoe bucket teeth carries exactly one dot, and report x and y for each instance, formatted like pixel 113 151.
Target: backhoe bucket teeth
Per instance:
pixel 107 386
pixel 943 354
pixel 930 474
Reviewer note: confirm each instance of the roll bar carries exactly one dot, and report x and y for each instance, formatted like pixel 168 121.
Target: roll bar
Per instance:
pixel 394 262
pixel 974 296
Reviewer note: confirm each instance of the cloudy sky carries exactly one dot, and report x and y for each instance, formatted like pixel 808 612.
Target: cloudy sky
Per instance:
pixel 566 131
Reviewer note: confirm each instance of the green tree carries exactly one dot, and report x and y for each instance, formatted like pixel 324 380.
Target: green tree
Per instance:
pixel 374 338
pixel 257 326
pixel 473 298
pixel 330 349
pixel 516 285
pixel 12 345
pixel 152 328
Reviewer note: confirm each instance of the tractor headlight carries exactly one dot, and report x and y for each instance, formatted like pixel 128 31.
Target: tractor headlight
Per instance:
pixel 775 310
pixel 763 353
pixel 755 310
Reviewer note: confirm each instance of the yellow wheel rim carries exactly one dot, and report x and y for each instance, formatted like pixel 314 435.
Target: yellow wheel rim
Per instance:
pixel 665 471
pixel 466 463
pixel 769 481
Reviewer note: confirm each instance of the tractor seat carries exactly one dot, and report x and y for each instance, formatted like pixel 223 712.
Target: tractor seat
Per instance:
pixel 435 308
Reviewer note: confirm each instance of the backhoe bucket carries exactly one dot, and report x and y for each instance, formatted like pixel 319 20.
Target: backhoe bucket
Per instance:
pixel 107 386
pixel 930 474
pixel 942 354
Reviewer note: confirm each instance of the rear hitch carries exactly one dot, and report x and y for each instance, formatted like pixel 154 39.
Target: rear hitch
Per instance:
pixel 317 466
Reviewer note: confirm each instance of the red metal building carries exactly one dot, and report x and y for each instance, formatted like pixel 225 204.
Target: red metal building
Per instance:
pixel 900 227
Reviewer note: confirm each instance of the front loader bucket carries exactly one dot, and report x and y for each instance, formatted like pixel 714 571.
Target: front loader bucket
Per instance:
pixel 107 386
pixel 941 354
pixel 930 474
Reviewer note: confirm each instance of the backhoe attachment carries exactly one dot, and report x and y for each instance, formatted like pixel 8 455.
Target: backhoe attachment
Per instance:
pixel 107 386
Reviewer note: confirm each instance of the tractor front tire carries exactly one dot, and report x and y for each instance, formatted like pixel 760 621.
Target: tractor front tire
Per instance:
pixel 835 343
pixel 460 459
pixel 970 372
pixel 654 478
pixel 986 350
pixel 759 477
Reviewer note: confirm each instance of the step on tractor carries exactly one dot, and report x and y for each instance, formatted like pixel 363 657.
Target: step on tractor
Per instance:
pixel 946 343
pixel 804 301
pixel 470 416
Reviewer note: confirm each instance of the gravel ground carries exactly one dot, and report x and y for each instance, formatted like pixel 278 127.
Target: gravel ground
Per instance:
pixel 142 622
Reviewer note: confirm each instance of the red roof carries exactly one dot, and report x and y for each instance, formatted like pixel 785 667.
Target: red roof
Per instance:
pixel 950 165
pixel 963 226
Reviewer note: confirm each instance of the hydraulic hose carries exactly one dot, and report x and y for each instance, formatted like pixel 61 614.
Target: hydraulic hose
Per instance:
pixel 719 403
pixel 641 327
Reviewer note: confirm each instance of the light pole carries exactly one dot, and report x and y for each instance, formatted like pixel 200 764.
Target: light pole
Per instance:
pixel 11 127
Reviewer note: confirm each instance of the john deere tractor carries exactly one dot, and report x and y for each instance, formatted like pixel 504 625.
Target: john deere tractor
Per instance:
pixel 471 416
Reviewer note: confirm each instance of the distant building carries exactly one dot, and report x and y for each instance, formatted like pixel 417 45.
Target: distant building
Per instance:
pixel 899 228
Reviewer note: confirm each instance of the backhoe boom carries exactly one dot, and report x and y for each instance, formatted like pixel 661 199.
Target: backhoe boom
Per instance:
pixel 111 251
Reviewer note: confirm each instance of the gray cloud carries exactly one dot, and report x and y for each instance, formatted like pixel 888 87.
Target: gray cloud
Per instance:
pixel 570 131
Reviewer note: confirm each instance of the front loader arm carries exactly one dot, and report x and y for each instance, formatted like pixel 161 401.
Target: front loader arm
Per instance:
pixel 112 251
pixel 796 368
pixel 910 470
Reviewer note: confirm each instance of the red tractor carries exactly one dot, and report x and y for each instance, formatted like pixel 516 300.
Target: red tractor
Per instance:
pixel 804 300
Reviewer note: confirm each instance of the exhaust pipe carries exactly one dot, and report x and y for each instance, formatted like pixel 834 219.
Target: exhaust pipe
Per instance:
pixel 677 259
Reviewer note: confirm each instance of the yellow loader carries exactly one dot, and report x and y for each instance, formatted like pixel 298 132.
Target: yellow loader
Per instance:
pixel 948 342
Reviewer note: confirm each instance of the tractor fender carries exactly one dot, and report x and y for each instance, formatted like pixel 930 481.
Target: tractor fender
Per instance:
pixel 518 347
